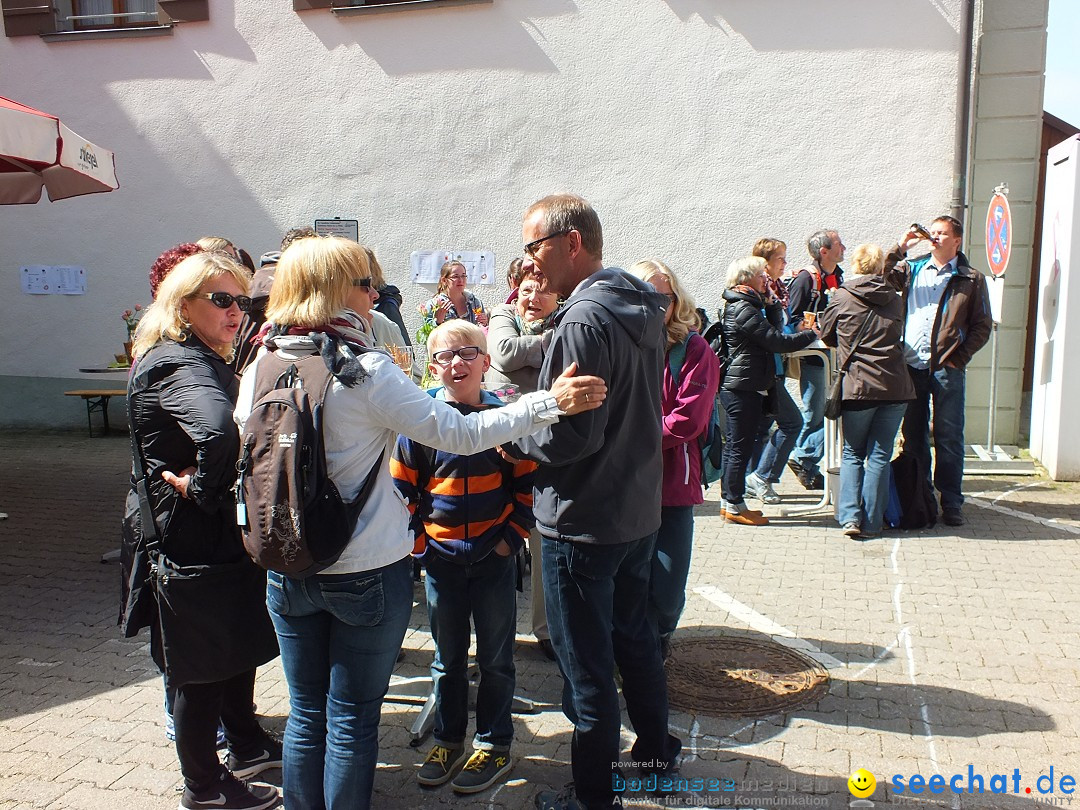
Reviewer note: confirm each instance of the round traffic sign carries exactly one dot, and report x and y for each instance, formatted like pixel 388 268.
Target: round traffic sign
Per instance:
pixel 998 234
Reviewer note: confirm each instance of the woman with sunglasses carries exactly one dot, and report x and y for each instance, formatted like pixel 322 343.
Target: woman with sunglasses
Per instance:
pixel 691 377
pixel 340 630
pixel 181 395
pixel 452 300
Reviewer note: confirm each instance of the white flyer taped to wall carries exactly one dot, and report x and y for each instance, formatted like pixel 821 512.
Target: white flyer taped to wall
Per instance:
pixel 425 265
pixel 41 279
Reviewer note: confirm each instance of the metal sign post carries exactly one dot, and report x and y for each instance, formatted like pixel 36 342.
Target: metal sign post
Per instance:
pixel 999 239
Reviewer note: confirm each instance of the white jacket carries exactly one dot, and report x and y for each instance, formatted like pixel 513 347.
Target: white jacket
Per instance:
pixel 361 422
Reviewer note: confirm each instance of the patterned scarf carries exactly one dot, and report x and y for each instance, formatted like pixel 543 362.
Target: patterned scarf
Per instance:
pixel 779 291
pixel 533 327
pixel 338 343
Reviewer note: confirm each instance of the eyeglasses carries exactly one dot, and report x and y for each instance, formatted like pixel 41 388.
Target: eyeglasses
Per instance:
pixel 362 282
pixel 445 357
pixel 222 300
pixel 670 297
pixel 531 248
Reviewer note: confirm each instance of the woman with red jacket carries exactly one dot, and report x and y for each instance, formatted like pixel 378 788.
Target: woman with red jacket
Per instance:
pixel 691 378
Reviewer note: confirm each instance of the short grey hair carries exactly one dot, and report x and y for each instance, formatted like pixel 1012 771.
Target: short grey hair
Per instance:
pixel 743 271
pixel 818 241
pixel 565 212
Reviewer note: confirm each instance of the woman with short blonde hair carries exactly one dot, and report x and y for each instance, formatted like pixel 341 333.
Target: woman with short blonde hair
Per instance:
pixel 352 616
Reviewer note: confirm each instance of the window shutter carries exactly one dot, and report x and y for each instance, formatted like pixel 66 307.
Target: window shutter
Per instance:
pixel 26 17
pixel 185 10
pixel 307 5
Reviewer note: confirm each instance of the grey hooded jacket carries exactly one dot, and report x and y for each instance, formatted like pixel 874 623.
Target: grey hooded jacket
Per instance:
pixel 600 471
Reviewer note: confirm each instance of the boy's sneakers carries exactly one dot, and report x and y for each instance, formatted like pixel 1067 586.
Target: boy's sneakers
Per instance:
pixel 758 487
pixel 229 793
pixel 851 529
pixel 483 770
pixel 441 764
pixel 265 758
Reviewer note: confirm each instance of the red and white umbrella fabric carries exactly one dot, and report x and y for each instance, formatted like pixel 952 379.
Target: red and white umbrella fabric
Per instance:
pixel 36 150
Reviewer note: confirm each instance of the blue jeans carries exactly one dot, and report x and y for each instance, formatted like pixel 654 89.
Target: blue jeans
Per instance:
pixel 597 598
pixel 776 448
pixel 945 387
pixel 743 409
pixel 670 567
pixel 869 436
pixel 810 446
pixel 485 591
pixel 339 636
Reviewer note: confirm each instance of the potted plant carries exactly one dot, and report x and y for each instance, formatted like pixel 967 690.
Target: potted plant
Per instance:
pixel 131 321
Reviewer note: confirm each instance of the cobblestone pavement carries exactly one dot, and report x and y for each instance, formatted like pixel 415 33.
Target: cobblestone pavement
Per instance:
pixel 948 650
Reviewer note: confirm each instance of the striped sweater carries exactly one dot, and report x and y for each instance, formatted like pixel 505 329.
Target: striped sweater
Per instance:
pixel 462 506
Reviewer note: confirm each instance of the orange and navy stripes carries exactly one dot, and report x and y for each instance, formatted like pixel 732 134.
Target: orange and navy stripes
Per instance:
pixel 462 506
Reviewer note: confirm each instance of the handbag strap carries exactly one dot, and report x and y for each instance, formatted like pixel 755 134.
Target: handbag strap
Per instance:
pixel 146 513
pixel 858 335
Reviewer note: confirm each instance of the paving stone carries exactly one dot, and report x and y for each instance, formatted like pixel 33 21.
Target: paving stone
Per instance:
pixel 988 622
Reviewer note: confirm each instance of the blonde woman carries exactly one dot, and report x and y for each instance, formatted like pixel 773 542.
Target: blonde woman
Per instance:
pixel 691 377
pixel 877 387
pixel 181 394
pixel 341 630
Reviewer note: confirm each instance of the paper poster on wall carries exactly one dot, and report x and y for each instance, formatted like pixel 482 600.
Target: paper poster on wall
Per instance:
pixel 346 228
pixel 41 279
pixel 426 264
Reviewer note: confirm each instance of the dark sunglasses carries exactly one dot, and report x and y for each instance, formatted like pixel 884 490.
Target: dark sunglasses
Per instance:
pixel 445 357
pixel 531 248
pixel 362 282
pixel 222 300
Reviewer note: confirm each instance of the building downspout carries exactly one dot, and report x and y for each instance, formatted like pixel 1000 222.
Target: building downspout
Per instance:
pixel 962 151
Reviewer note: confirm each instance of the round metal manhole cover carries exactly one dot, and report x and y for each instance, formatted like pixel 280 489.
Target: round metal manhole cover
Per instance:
pixel 741 677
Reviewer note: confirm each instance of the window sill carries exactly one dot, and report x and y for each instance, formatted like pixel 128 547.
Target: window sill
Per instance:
pixel 109 33
pixel 347 11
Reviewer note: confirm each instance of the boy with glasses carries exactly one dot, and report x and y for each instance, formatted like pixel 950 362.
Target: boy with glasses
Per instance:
pixel 470 515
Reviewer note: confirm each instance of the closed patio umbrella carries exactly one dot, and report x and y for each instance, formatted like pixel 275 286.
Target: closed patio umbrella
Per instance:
pixel 36 150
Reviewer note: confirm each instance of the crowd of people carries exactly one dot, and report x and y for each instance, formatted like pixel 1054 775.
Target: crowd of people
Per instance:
pixel 616 377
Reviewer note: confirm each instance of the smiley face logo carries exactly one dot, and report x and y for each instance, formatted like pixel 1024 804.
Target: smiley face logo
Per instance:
pixel 861 783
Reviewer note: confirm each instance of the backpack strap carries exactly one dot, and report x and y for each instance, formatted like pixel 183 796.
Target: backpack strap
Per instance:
pixel 676 357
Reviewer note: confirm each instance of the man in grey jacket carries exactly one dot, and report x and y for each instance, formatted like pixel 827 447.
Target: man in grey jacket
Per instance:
pixel 597 502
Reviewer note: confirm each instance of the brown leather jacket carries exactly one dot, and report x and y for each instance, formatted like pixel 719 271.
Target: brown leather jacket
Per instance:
pixel 963 321
pixel 877 371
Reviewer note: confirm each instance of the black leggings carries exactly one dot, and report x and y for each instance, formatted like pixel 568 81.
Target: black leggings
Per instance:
pixel 195 714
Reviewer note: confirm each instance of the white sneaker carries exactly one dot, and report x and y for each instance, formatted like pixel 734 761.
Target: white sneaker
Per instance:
pixel 758 487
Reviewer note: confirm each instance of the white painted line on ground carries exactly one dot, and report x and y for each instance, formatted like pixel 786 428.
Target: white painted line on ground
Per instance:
pixel 1004 510
pixel 763 624
pixel 882 655
pixel 904 635
pixel 924 711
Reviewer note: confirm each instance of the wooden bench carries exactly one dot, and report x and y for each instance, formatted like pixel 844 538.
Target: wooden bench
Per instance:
pixel 97 400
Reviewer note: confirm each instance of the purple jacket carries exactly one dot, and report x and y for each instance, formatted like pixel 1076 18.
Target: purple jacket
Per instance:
pixel 687 404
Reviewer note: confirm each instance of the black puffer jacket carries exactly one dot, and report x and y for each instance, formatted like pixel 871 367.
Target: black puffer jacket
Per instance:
pixel 752 339
pixel 181 398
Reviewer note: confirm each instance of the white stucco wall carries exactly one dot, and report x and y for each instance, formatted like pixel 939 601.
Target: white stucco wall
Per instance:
pixel 694 127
